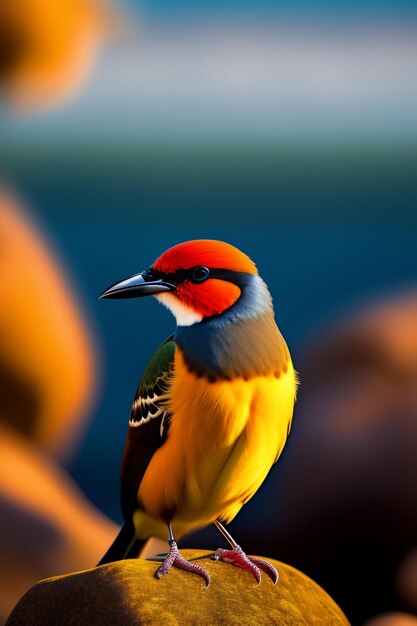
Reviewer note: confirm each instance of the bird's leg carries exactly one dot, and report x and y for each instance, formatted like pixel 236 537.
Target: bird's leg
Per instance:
pixel 174 559
pixel 237 557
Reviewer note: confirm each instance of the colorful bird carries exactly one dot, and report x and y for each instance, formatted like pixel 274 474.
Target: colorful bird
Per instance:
pixel 213 409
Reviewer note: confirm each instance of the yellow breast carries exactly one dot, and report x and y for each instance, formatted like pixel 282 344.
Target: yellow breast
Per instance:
pixel 224 437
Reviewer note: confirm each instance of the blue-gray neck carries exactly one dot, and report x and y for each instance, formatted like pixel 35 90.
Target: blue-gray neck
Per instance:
pixel 243 341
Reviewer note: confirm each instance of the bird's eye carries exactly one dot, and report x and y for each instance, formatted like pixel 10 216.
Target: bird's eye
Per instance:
pixel 200 274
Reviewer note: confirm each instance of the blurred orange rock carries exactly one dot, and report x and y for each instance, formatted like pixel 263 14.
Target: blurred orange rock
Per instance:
pixel 47 48
pixel 47 374
pixel 393 619
pixel 406 580
pixel 47 364
pixel 47 526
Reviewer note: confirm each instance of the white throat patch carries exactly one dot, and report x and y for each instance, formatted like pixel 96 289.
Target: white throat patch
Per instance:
pixel 185 315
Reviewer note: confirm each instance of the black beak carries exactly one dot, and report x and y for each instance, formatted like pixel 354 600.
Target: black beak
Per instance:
pixel 137 286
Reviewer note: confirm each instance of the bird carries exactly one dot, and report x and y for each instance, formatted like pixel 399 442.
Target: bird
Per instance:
pixel 213 409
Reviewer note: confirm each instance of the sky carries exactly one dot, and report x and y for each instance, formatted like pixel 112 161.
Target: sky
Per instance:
pixel 233 81
pixel 308 5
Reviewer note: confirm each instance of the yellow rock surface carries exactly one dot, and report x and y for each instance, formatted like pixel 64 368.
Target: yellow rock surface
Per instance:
pixel 127 593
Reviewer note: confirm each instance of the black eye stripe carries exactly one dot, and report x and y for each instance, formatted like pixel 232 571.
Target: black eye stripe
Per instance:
pixel 197 274
pixel 180 276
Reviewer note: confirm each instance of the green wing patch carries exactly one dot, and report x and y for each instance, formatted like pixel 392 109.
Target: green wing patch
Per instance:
pixel 152 389
pixel 148 424
pixel 159 365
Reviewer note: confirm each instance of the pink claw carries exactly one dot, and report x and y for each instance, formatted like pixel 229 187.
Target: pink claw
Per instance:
pixel 267 568
pixel 174 559
pixel 237 557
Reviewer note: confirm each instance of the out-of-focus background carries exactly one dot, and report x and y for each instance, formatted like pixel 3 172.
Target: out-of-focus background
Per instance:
pixel 288 129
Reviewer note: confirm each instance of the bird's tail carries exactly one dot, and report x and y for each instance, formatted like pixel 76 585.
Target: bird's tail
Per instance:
pixel 125 546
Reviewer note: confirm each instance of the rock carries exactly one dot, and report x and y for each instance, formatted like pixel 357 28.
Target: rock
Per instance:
pixel 47 366
pixel 47 526
pixel 47 379
pixel 47 49
pixel 393 619
pixel 127 593
pixel 406 580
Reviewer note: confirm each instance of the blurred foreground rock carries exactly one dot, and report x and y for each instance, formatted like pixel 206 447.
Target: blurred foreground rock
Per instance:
pixel 127 593
pixel 47 526
pixel 393 619
pixel 47 375
pixel 47 357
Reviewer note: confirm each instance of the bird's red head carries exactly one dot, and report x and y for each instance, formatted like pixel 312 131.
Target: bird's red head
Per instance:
pixel 207 252
pixel 204 273
pixel 195 280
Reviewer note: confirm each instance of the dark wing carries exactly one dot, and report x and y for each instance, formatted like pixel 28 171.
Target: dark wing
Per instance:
pixel 148 424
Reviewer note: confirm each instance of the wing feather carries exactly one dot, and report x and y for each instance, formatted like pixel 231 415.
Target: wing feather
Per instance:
pixel 148 424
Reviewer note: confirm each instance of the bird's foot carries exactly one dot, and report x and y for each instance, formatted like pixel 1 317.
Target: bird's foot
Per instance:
pixel 237 557
pixel 174 559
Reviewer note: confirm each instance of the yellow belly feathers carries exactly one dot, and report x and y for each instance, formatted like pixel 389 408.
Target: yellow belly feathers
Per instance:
pixel 224 437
